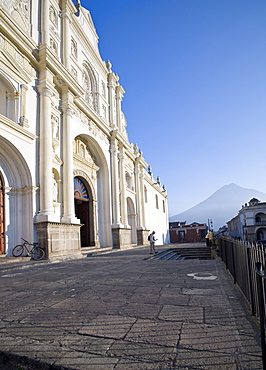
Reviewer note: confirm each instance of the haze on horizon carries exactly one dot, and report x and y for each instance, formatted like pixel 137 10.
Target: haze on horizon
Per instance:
pixel 195 79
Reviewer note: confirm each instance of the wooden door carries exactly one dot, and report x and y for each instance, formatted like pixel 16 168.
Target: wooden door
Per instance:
pixel 82 212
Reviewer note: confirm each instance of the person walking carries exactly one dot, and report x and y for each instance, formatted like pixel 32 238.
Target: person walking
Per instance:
pixel 152 243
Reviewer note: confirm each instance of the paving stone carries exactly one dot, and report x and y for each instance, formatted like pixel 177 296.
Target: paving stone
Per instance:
pixel 36 351
pixel 162 333
pixel 181 313
pixel 205 337
pixel 143 352
pixel 213 301
pixel 199 291
pixel 80 360
pixel 205 360
pixel 36 332
pixel 213 315
pixel 86 343
pixel 141 310
pixel 167 298
pixel 126 364
pixel 108 326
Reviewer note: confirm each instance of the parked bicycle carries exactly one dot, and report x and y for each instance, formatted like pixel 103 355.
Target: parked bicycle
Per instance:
pixel 32 250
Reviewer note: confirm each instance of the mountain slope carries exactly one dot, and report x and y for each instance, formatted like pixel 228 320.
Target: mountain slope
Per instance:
pixel 221 206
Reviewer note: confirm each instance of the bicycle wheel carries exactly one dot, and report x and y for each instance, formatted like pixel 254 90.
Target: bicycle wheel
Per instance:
pixel 18 250
pixel 37 253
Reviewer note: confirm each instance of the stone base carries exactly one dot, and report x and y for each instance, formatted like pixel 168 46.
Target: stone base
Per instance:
pixel 143 237
pixel 59 240
pixel 121 238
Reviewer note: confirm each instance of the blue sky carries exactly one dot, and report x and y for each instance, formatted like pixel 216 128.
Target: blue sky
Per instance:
pixel 194 72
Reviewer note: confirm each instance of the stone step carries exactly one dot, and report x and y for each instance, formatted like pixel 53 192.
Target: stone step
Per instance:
pixel 90 251
pixel 184 253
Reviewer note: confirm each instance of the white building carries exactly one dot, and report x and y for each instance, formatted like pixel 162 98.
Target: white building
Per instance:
pixel 250 223
pixel 69 176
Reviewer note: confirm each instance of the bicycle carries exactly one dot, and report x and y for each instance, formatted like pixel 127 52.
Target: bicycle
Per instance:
pixel 33 251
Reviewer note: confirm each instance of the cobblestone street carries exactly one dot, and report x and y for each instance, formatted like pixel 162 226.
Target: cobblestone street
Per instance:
pixel 124 310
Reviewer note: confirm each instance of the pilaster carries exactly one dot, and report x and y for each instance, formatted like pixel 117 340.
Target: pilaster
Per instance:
pixel 45 33
pixel 112 83
pixel 114 180
pixel 119 91
pixel 68 183
pixel 66 45
pixel 139 203
pixel 46 212
pixel 122 186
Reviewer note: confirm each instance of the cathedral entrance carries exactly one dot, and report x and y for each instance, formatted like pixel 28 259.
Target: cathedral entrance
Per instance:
pixel 83 211
pixel 2 216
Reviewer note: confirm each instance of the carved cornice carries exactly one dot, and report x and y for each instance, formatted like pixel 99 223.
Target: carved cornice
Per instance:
pixel 21 40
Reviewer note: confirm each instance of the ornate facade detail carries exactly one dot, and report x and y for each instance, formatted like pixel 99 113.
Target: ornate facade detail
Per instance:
pixel 128 163
pixel 103 90
pixel 55 126
pixel 74 73
pixel 18 57
pixel 2 41
pixel 20 12
pixel 74 48
pixel 90 86
pixel 54 46
pixel 82 150
pixel 53 16
pixel 83 155
pixel 104 110
pixel 23 120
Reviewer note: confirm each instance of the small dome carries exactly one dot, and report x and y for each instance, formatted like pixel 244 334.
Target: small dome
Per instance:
pixel 253 201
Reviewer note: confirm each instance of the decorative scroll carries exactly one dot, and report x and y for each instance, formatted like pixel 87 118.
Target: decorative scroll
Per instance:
pixel 80 191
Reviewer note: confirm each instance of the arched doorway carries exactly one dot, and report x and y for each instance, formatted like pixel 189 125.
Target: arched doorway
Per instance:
pixel 2 216
pixel 84 212
pixel 16 177
pixel 261 234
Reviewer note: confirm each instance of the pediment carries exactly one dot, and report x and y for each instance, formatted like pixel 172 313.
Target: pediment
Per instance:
pixel 12 67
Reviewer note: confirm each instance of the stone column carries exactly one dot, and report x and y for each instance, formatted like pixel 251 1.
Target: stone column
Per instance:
pixel 45 37
pixel 142 200
pixel 66 45
pixel 46 212
pixel 68 182
pixel 138 198
pixel 122 184
pixel 23 120
pixel 114 181
pixel 119 96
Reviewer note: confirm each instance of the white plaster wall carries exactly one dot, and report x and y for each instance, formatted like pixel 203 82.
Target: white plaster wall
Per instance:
pixel 156 219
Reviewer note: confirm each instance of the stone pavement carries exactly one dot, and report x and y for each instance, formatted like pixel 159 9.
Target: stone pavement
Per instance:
pixel 124 310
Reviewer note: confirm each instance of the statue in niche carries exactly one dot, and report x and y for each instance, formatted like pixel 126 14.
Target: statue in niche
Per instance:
pixel 55 189
pixel 74 48
pixel 55 128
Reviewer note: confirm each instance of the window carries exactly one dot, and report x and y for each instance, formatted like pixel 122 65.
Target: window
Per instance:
pixel 145 194
pixel 156 201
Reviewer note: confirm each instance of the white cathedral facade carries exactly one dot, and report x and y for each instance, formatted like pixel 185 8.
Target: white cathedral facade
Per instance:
pixel 69 177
